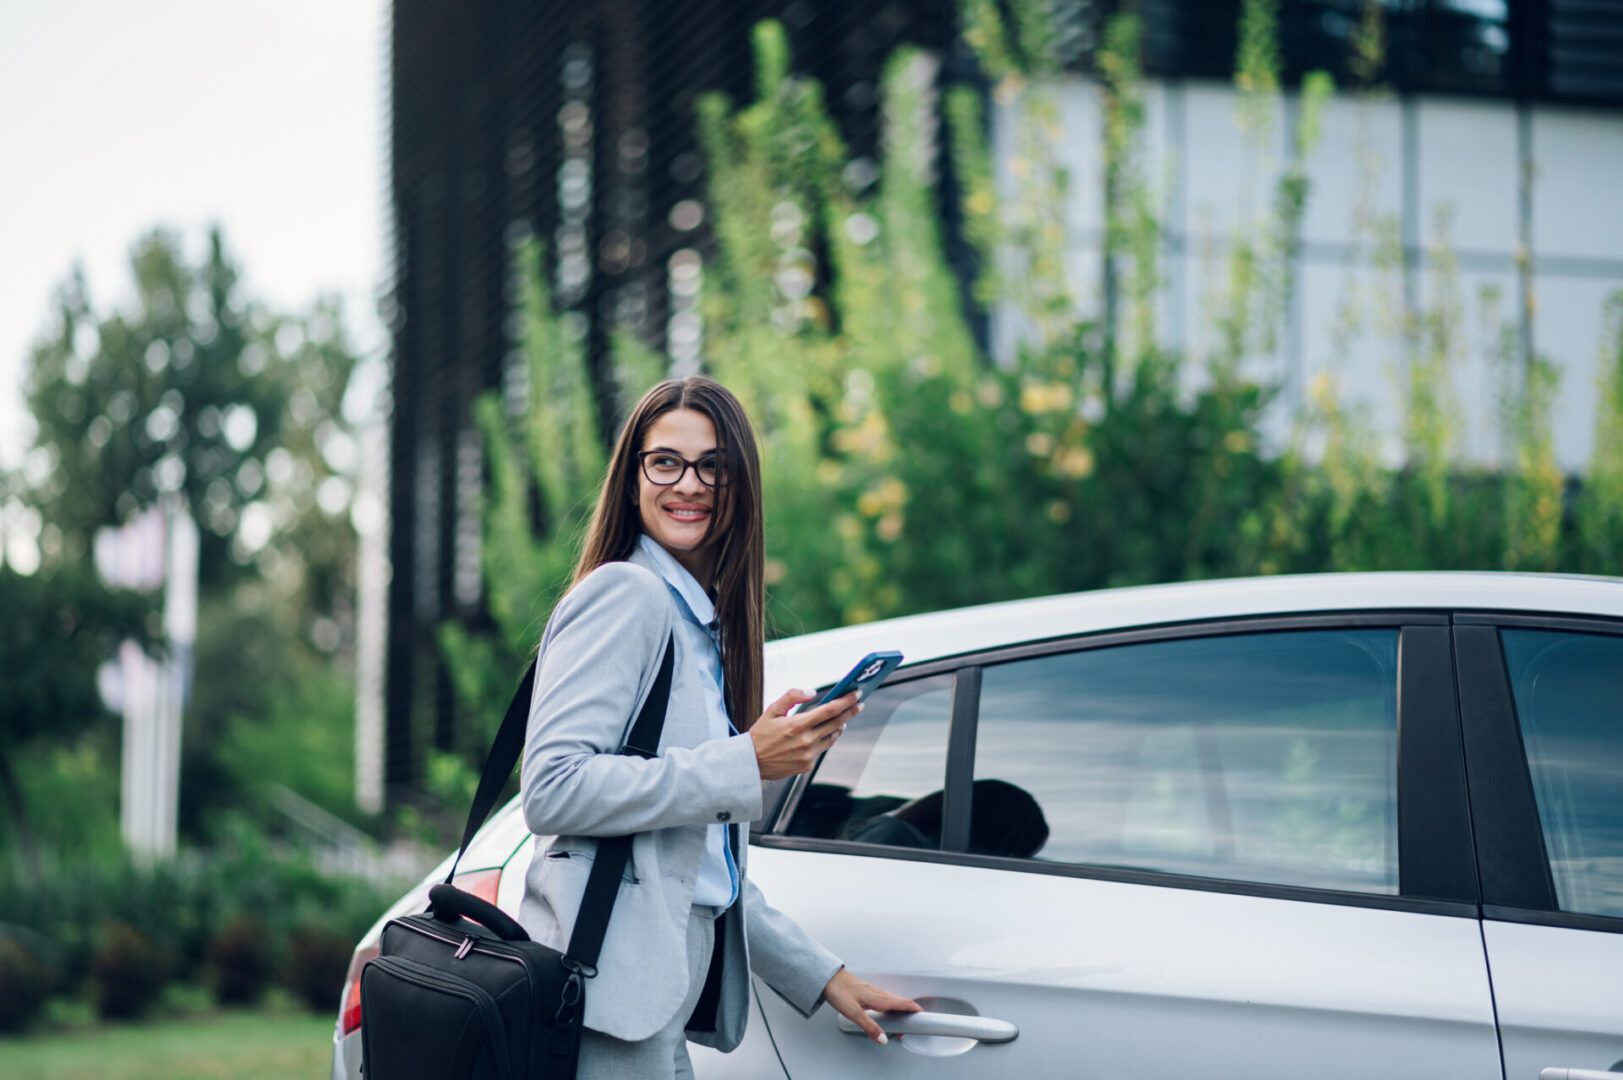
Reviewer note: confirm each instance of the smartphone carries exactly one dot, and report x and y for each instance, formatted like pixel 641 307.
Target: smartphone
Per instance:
pixel 865 678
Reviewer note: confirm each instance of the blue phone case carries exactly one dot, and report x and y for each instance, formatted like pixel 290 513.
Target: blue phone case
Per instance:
pixel 870 671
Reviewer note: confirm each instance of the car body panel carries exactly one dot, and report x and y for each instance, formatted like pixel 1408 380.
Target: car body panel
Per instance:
pixel 1559 992
pixel 1112 979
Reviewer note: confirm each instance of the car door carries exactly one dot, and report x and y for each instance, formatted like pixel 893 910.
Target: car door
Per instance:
pixel 1542 701
pixel 1186 851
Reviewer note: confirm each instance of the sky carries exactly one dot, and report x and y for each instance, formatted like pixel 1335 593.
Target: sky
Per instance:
pixel 268 117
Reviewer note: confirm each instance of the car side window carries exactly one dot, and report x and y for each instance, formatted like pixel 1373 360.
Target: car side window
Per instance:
pixel 881 782
pixel 1568 689
pixel 1268 757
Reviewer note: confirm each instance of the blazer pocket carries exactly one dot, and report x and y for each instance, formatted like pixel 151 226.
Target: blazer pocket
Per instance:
pixel 575 855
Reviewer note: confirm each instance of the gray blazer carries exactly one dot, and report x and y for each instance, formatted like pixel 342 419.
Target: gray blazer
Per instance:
pixel 597 663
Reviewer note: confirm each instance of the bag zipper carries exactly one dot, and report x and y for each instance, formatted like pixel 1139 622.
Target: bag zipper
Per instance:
pixel 468 943
pixel 471 943
pixel 423 975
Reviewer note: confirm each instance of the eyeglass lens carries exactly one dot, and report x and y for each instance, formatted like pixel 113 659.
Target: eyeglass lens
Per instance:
pixel 667 468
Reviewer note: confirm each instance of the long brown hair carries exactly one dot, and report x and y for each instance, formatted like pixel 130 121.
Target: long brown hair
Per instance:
pixel 740 586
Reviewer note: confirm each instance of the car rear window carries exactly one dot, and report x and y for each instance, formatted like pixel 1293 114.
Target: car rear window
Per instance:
pixel 1569 701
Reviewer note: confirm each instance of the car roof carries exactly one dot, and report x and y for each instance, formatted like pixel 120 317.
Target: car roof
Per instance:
pixel 813 660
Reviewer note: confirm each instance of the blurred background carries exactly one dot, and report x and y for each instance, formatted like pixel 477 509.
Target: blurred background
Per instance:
pixel 320 318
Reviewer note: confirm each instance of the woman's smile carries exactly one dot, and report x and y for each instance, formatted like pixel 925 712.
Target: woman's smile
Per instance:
pixel 687 511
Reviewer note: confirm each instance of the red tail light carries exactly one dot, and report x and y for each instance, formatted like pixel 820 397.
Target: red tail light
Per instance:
pixel 481 883
pixel 349 1009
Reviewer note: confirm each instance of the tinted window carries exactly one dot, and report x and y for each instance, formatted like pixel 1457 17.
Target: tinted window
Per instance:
pixel 881 782
pixel 1569 699
pixel 1257 757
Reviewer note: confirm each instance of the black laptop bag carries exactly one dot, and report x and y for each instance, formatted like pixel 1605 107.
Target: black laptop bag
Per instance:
pixel 460 992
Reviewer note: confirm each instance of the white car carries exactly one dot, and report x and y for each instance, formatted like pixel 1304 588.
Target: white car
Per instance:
pixel 1338 826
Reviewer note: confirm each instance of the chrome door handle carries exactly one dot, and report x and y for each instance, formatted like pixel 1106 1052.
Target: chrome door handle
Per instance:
pixel 981 1028
pixel 1577 1074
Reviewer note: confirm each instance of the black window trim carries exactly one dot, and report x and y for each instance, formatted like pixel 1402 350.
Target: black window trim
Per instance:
pixel 1435 846
pixel 1517 886
pixel 1453 885
pixel 958 793
pixel 1525 620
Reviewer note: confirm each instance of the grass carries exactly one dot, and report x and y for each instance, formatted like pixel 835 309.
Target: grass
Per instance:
pixel 227 1045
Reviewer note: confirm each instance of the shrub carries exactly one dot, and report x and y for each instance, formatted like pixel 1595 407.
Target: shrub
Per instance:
pixel 184 908
pixel 25 983
pixel 317 960
pixel 127 971
pixel 240 961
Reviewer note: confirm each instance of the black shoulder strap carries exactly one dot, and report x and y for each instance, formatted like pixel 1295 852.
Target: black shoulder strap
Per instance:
pixel 592 921
pixel 509 743
pixel 504 752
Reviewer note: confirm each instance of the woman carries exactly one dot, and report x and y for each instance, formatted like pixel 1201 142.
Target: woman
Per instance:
pixel 674 553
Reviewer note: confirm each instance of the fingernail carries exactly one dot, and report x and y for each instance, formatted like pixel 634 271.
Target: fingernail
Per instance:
pixel 861 706
pixel 842 729
pixel 883 1038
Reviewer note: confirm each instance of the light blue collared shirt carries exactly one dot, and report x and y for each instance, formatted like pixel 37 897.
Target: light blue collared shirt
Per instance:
pixel 717 883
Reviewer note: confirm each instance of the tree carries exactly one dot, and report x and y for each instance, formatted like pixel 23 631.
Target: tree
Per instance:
pixel 59 626
pixel 196 392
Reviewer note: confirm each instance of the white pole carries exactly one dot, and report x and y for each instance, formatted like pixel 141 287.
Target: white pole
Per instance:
pixel 130 796
pixel 372 584
pixel 156 550
pixel 174 679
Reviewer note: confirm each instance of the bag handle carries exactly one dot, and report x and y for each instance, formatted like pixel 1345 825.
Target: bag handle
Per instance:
pixel 450 903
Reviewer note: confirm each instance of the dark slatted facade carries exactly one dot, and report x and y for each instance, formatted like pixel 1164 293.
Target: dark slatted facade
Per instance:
pixel 571 120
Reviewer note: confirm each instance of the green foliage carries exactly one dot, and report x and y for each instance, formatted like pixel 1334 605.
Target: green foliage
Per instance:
pixel 25 984
pixel 239 960
pixel 59 625
pixel 196 391
pixel 317 960
pixel 1368 58
pixel 1534 485
pixel 126 972
pixel 71 799
pixel 1256 62
pixel 104 919
pixel 1600 511
pixel 984 31
pixel 296 730
pixel 1132 230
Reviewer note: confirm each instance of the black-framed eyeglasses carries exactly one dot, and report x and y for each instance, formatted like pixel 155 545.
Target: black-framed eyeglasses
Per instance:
pixel 666 467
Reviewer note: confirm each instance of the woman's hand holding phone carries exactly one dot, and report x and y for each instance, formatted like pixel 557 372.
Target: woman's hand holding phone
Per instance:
pixel 786 745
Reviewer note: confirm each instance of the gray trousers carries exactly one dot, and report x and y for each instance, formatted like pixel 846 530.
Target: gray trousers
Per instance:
pixel 663 1055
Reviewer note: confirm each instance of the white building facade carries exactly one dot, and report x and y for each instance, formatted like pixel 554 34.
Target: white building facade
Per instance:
pixel 1516 175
